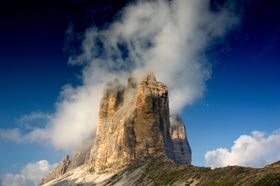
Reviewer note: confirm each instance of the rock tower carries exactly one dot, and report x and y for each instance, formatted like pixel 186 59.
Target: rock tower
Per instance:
pixel 134 123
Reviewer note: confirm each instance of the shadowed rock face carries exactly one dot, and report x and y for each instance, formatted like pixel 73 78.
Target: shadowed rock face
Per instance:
pixel 151 121
pixel 133 124
pixel 181 147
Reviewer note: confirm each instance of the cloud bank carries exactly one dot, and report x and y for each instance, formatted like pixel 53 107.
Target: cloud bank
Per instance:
pixel 166 37
pixel 255 150
pixel 30 175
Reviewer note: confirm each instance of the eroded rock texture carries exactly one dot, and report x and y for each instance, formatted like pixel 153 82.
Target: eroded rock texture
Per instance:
pixel 115 139
pixel 181 147
pixel 58 171
pixel 68 163
pixel 134 123
pixel 151 121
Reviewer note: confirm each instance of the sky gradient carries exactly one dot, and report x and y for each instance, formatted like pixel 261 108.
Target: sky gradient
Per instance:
pixel 241 95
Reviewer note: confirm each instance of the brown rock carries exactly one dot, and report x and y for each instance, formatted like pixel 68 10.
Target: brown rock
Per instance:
pixel 68 163
pixel 133 124
pixel 58 171
pixel 113 144
pixel 181 147
pixel 151 121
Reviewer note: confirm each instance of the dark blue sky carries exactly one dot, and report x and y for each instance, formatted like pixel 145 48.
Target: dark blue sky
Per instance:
pixel 242 94
pixel 34 50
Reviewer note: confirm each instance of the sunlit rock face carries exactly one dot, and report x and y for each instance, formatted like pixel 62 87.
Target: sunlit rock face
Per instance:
pixel 115 139
pixel 151 121
pixel 68 163
pixel 58 171
pixel 134 123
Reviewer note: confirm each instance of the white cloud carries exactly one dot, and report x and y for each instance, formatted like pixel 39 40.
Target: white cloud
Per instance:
pixel 34 120
pixel 30 175
pixel 255 150
pixel 16 135
pixel 11 134
pixel 166 37
pixel 32 128
pixel 13 180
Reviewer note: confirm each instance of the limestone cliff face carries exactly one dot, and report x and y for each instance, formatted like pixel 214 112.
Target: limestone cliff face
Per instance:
pixel 59 170
pixel 114 141
pixel 134 124
pixel 68 163
pixel 151 121
pixel 181 147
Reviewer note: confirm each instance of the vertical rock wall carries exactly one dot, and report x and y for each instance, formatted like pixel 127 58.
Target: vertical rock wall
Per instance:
pixel 181 147
pixel 151 121
pixel 134 123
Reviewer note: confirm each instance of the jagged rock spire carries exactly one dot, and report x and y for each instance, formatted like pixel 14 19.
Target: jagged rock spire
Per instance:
pixel 131 127
pixel 133 124
pixel 150 77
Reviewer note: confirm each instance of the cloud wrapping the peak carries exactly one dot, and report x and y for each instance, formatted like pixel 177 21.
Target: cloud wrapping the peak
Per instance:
pixel 255 150
pixel 166 37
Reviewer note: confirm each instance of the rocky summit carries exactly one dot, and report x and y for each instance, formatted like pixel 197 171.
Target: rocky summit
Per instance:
pixel 138 143
pixel 134 125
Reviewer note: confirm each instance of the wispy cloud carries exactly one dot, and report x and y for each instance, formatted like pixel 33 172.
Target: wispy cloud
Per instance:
pixel 34 120
pixel 30 175
pixel 255 150
pixel 17 135
pixel 31 128
pixel 166 37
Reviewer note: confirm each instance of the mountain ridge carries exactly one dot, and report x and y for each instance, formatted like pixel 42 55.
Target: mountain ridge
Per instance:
pixel 165 172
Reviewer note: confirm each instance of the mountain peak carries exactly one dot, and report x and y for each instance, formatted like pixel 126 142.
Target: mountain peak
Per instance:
pixel 134 123
pixel 150 77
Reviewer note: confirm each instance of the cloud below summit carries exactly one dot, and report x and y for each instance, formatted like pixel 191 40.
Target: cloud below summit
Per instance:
pixel 166 37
